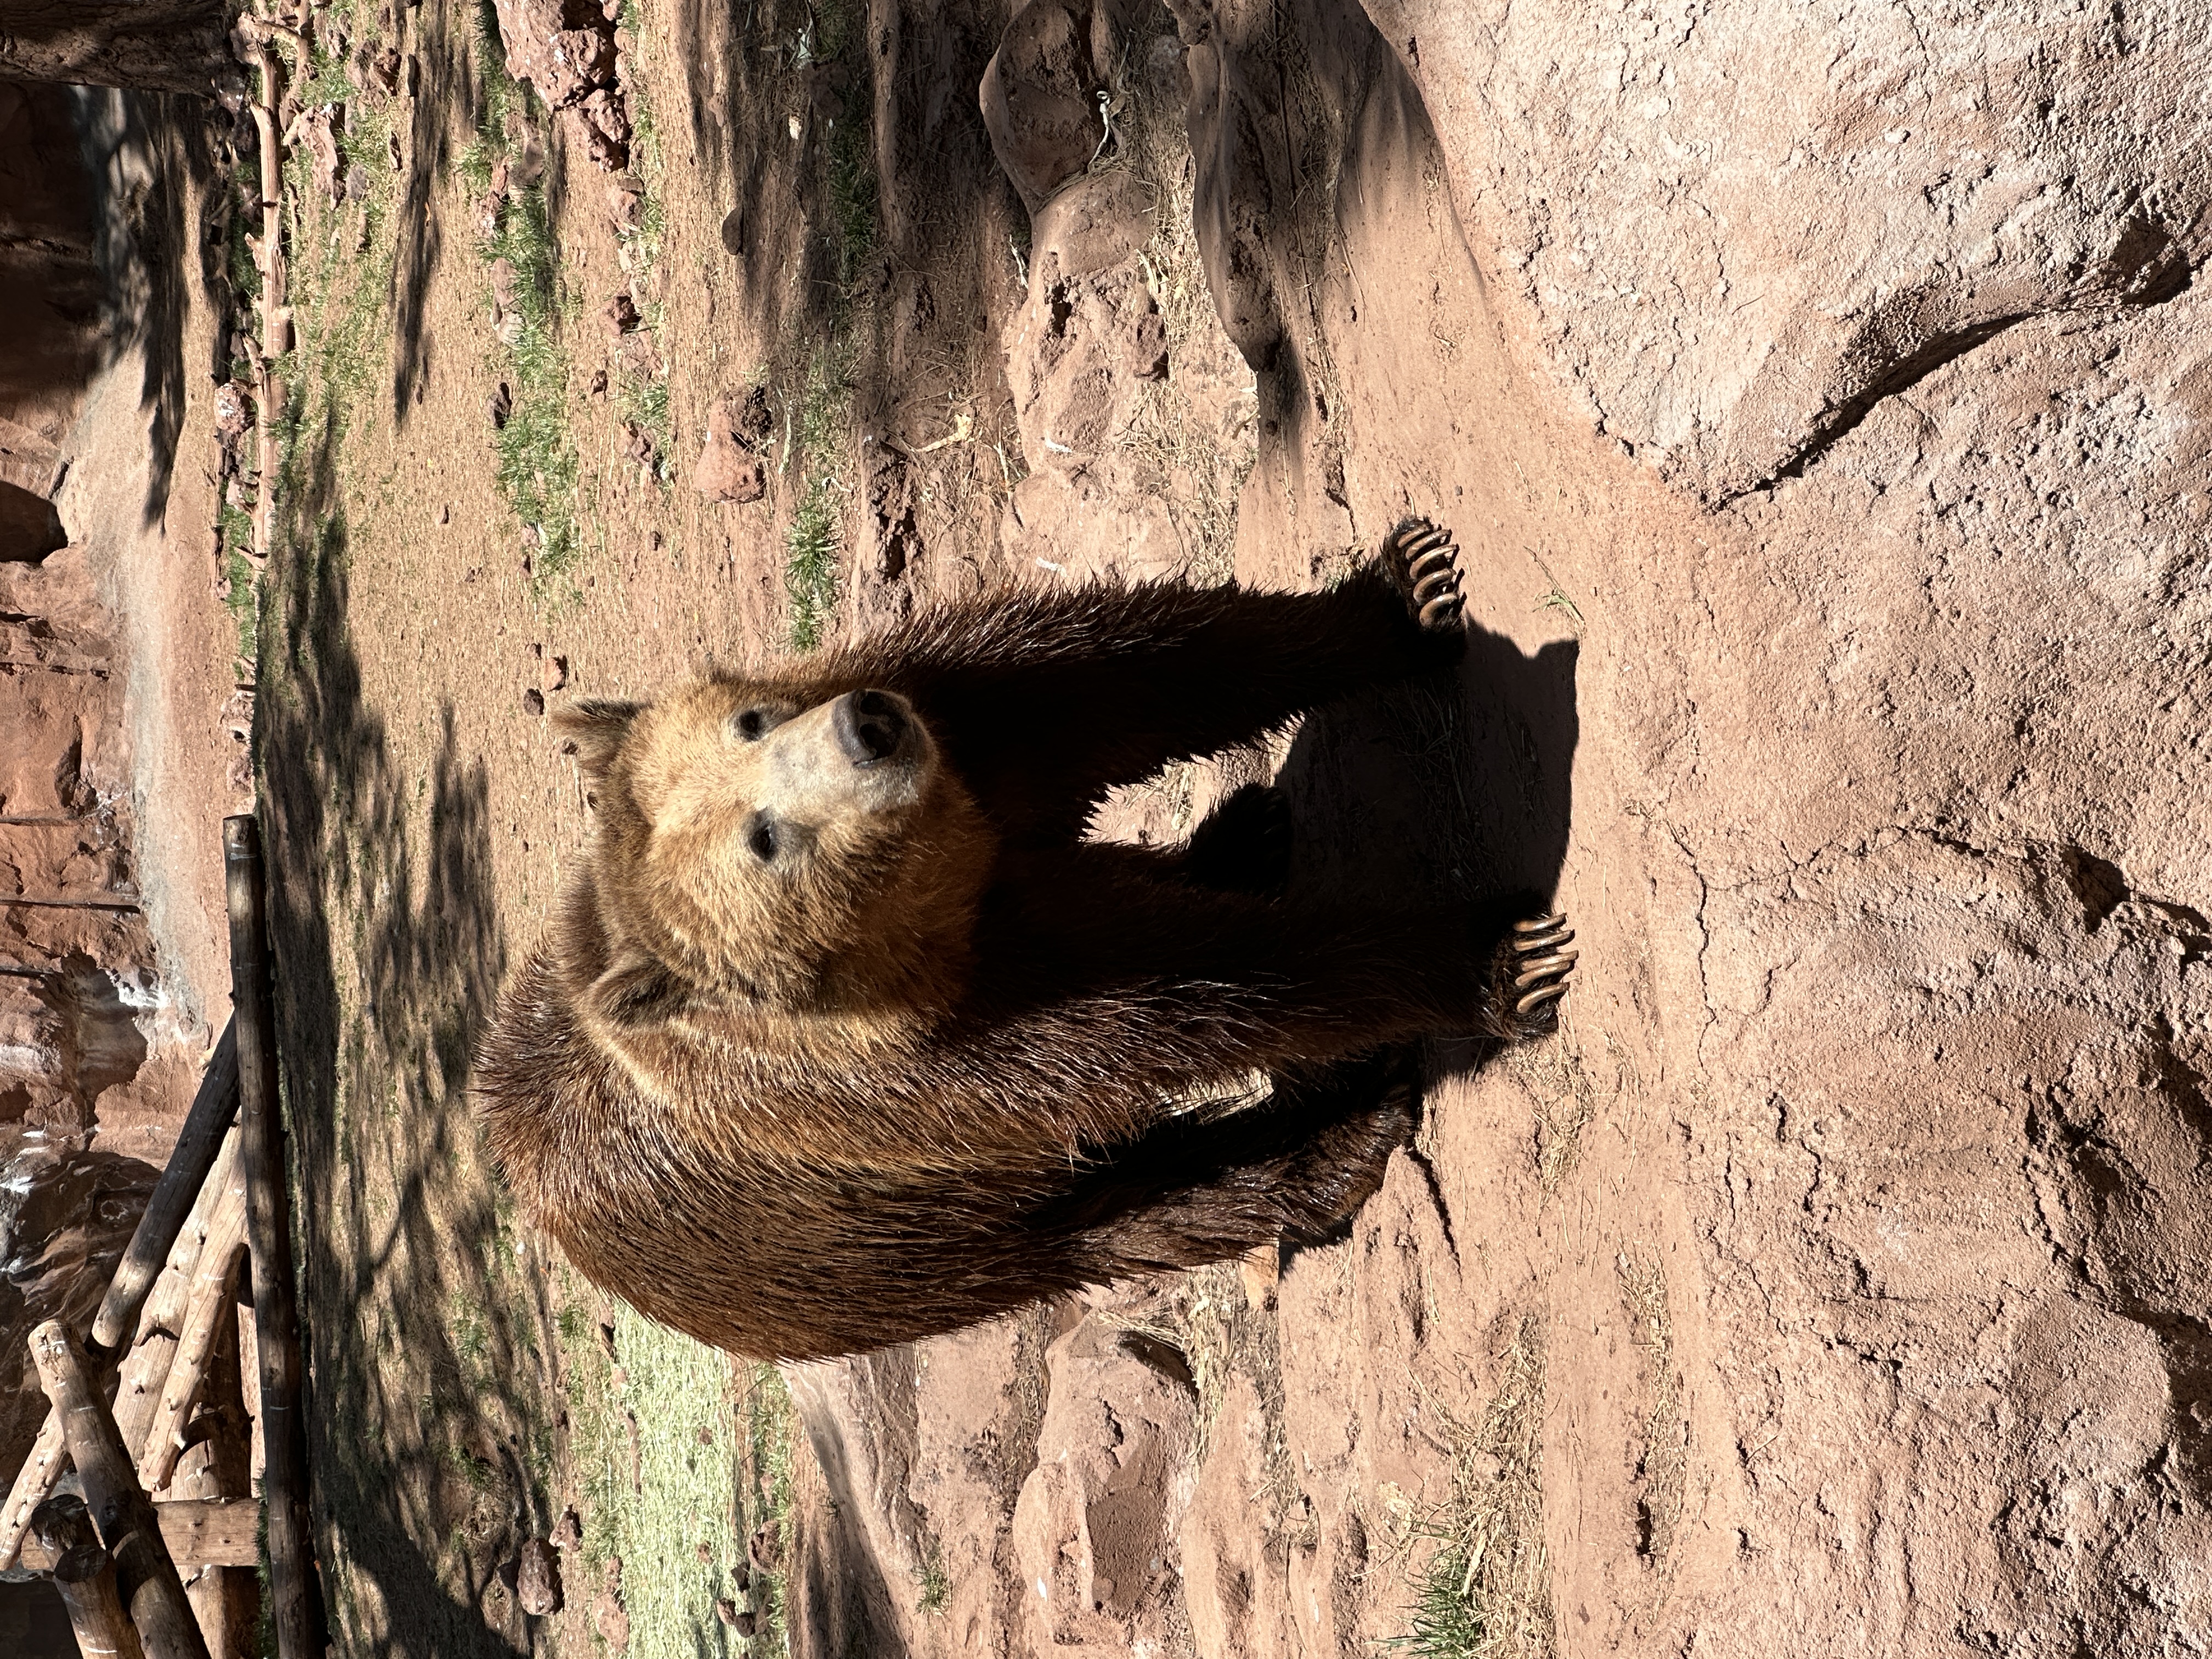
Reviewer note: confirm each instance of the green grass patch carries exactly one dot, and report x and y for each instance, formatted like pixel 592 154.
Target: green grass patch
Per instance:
pixel 642 398
pixel 818 422
pixel 536 466
pixel 771 1433
pixel 936 1587
pixel 821 436
pixel 668 1471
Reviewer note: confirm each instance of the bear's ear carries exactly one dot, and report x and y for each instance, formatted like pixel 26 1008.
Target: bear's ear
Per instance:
pixel 594 729
pixel 638 989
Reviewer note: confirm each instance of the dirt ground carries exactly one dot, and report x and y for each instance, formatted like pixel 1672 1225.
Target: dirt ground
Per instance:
pixel 1548 1394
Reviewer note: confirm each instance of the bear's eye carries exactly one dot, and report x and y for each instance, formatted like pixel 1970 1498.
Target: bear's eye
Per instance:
pixel 761 838
pixel 753 724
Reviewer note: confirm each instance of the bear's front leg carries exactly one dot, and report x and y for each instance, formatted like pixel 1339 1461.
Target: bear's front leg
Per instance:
pixel 1044 700
pixel 1161 983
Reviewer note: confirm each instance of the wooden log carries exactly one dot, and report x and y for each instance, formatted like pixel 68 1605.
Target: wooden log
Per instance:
pixel 217 1463
pixel 211 1532
pixel 165 1308
pixel 151 1590
pixel 147 1364
pixel 32 1485
pixel 293 1606
pixel 204 1317
pixel 84 1573
pixel 146 1369
pixel 200 1532
pixel 190 1160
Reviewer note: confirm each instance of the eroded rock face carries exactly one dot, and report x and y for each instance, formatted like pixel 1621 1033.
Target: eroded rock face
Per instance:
pixel 1841 400
pixel 1735 231
pixel 83 1046
pixel 1095 1528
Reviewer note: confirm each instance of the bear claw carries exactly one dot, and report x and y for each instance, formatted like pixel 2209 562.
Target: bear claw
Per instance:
pixel 1424 565
pixel 1542 968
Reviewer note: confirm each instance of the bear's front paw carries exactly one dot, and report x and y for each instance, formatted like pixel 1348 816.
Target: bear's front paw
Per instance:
pixel 1423 563
pixel 1533 968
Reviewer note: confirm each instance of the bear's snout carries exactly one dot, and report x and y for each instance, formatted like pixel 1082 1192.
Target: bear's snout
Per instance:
pixel 870 726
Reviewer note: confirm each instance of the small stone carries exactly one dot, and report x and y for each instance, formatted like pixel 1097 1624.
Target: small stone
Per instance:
pixel 706 1556
pixel 568 1533
pixel 619 316
pixel 626 203
pixel 533 702
pixel 557 676
pixel 733 233
pixel 499 406
pixel 640 355
pixel 537 1577
pixel 765 1546
pixel 611 1619
pixel 726 1611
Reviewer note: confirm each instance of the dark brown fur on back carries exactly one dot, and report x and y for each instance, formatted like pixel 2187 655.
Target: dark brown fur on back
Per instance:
pixel 913 1066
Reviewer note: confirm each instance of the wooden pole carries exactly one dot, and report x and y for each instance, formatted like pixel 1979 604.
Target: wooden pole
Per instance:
pixel 190 1160
pixel 148 1578
pixel 211 1302
pixel 216 1229
pixel 146 1366
pixel 200 1532
pixel 211 1532
pixel 85 1575
pixel 292 1599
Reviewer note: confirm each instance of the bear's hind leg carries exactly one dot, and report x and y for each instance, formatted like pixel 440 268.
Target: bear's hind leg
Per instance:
pixel 1195 1189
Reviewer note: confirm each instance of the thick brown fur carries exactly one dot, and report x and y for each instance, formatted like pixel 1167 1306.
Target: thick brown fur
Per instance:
pixel 825 1053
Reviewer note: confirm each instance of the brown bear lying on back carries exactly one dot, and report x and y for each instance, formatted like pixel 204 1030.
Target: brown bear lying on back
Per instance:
pixel 846 1036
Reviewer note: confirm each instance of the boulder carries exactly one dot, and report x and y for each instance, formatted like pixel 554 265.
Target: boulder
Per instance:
pixel 1040 94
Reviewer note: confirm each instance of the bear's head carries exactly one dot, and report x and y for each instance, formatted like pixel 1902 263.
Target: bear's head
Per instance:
pixel 757 846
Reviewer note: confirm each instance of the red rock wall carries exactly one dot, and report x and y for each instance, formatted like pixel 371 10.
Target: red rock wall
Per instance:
pixel 50 293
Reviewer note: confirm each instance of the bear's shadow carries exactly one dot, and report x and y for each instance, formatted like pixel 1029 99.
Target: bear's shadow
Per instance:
pixel 1444 787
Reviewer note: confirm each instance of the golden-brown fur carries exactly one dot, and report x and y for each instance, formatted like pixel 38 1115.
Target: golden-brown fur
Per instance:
pixel 844 1036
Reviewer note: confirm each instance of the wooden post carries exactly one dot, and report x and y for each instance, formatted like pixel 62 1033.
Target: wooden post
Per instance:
pixel 190 1160
pixel 200 1532
pixel 211 1302
pixel 211 1532
pixel 292 1598
pixel 147 1364
pixel 85 1575
pixel 151 1590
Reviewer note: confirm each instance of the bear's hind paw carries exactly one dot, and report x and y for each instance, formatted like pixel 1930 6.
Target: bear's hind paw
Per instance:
pixel 1424 565
pixel 1535 969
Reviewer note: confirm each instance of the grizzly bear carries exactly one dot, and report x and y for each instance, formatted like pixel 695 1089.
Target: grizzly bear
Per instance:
pixel 847 1036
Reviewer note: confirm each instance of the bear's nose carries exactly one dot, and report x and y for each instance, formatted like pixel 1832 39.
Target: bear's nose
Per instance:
pixel 870 726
